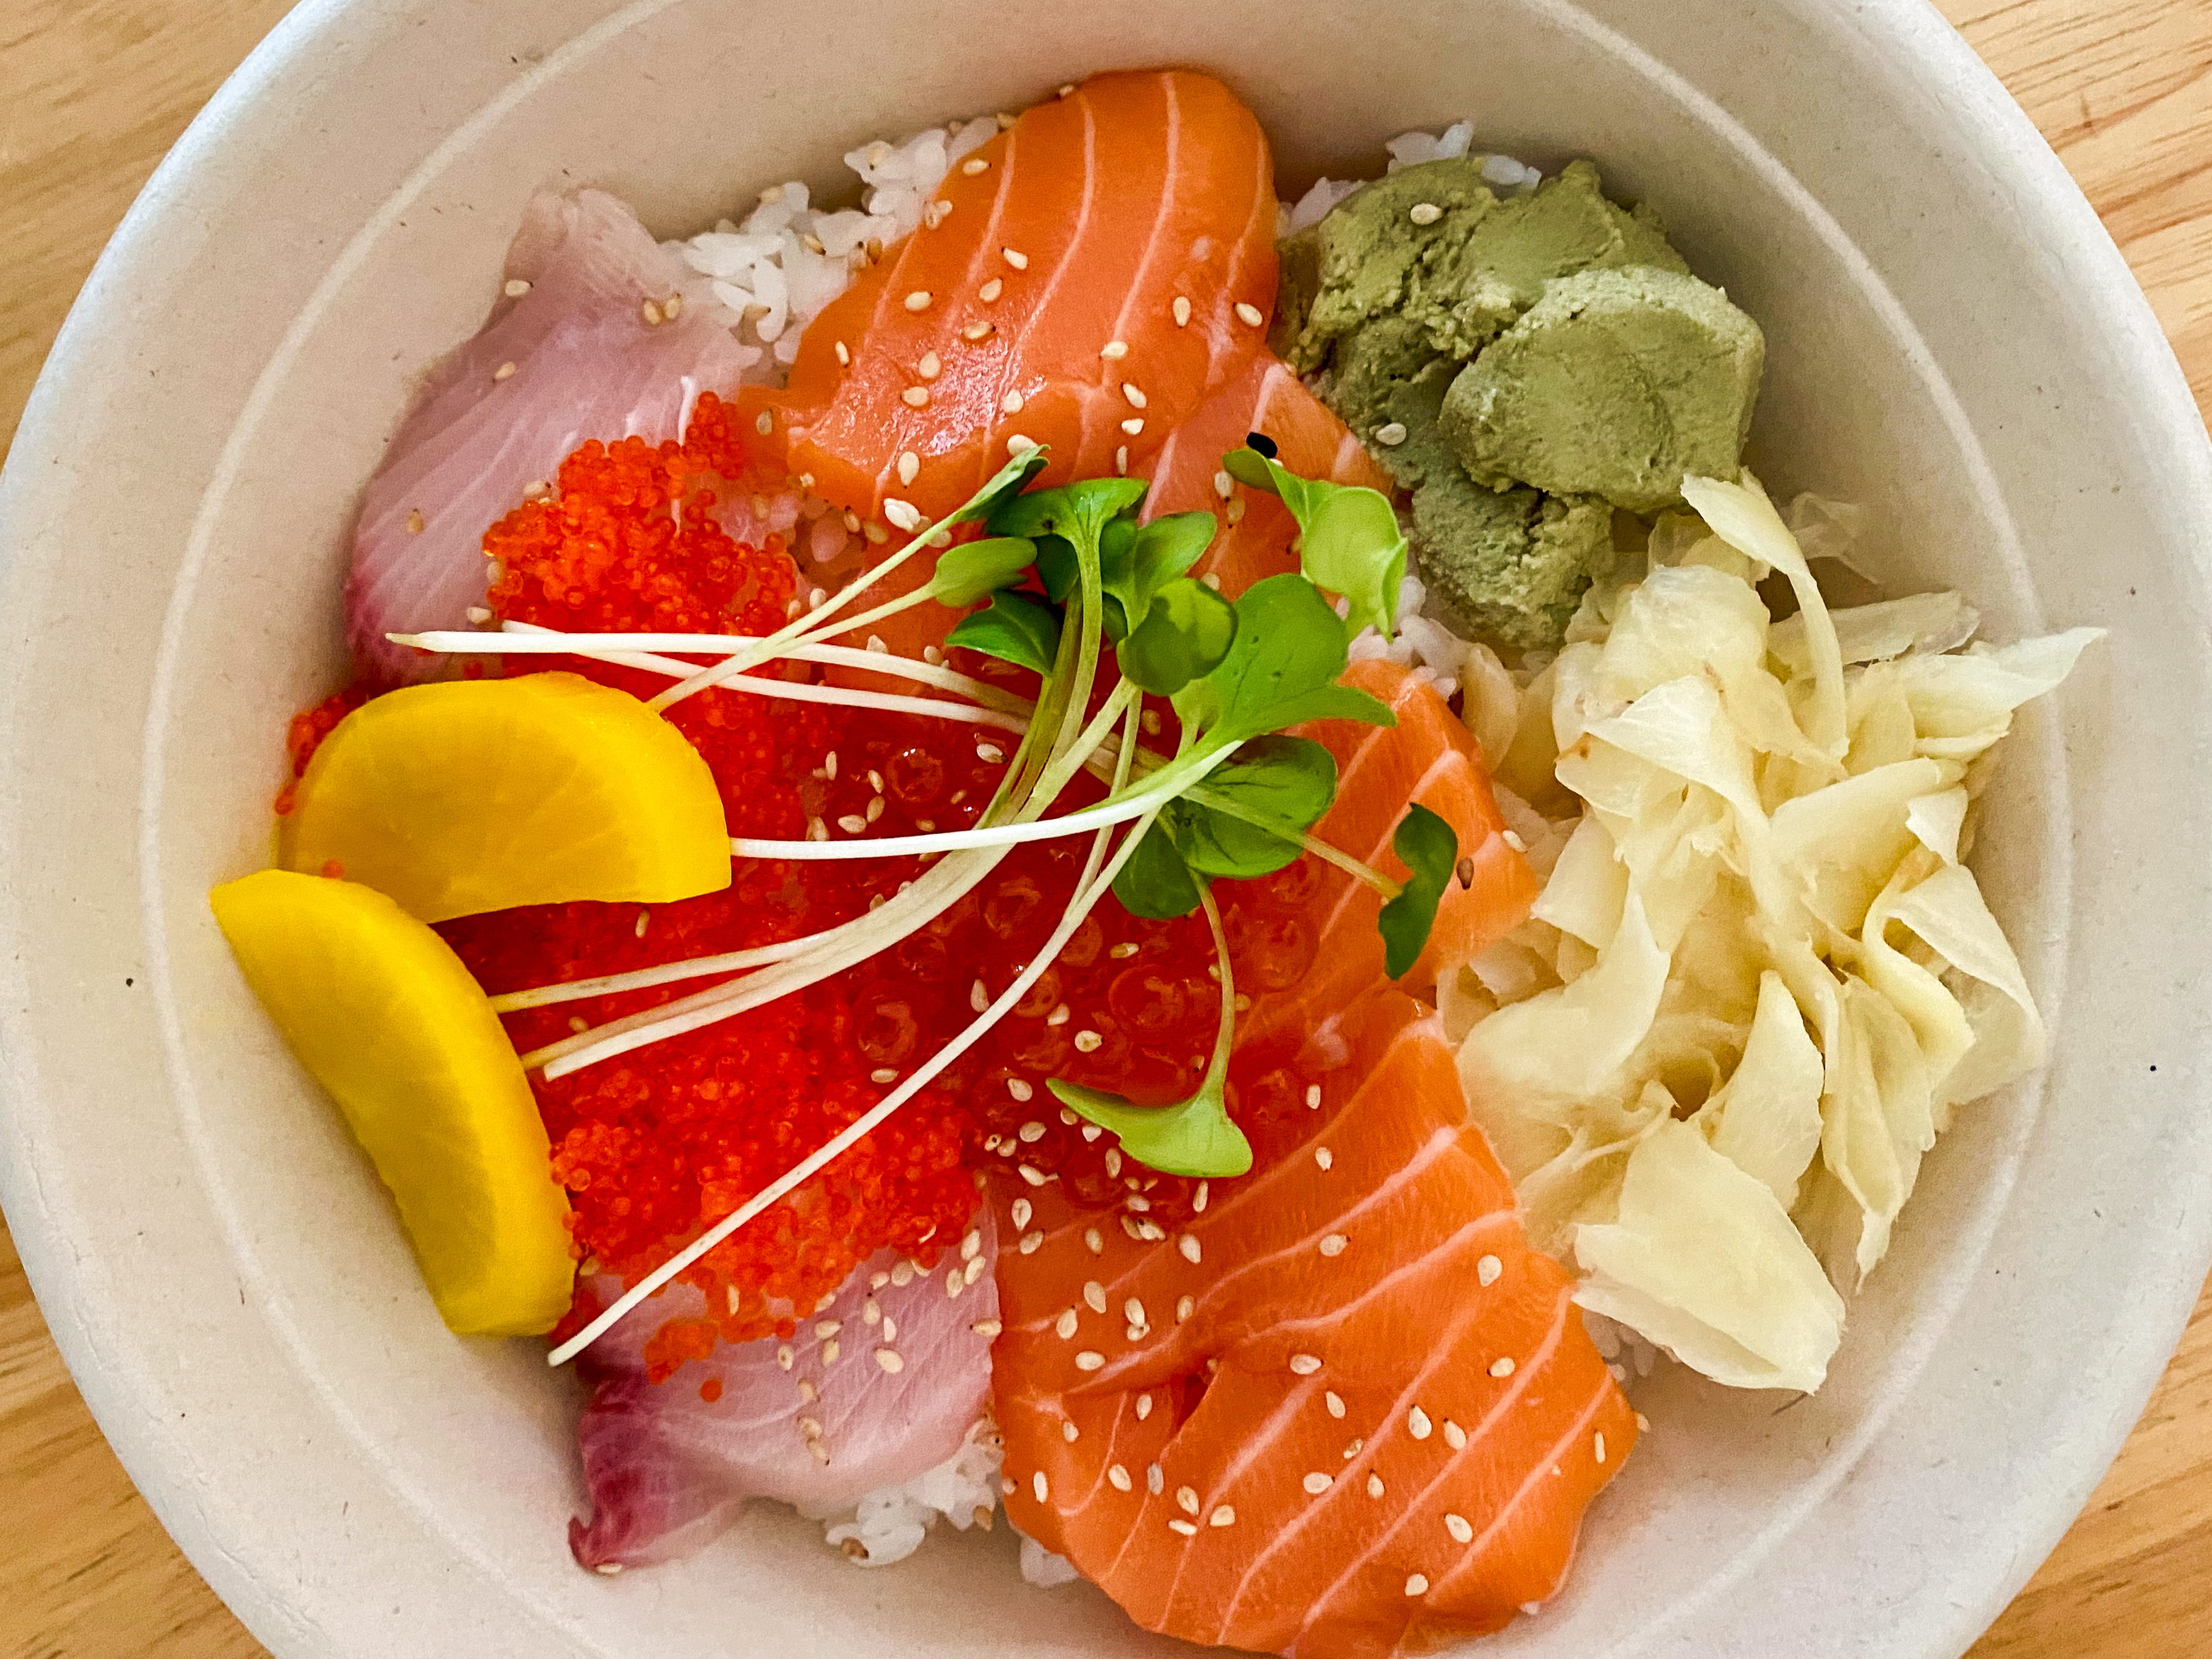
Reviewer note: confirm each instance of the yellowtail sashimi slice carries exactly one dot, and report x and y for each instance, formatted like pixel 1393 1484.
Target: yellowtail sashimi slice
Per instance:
pixel 380 1009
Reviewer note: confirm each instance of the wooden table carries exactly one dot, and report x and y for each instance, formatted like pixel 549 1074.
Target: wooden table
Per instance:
pixel 94 91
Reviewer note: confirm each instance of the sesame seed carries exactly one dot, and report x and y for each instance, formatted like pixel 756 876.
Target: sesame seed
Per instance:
pixel 1144 1407
pixel 1501 1367
pixel 1021 1211
pixel 830 1350
pixel 1324 1157
pixel 1251 313
pixel 1185 1306
pixel 1068 1432
pixel 1092 1242
pixel 1087 1043
pixel 650 313
pixel 1030 1173
pixel 502 371
pixel 1018 261
pixel 1334 1245
pixel 1135 1310
pixel 1006 1485
pixel 415 522
pixel 515 288
pixel 811 1427
pixel 1198 1198
pixel 1374 1486
pixel 889 1358
pixel 1088 1360
pixel 1599 1448
pixel 1121 461
pixel 1134 394
pixel 976 331
pixel 989 753
pixel 929 367
pixel 1487 1270
pixel 992 289
pixel 1416 1424
pixel 915 397
pixel 829 1328
pixel 1313 1097
pixel 1455 1435
pixel 875 808
pixel 1021 1090
pixel 1064 1327
pixel 1118 1478
pixel 1352 1448
pixel 1460 1528
pixel 1038 1485
pixel 1019 443
pixel 1316 1483
pixel 918 301
pixel 1094 1296
pixel 1123 951
pixel 1133 425
pixel 764 422
pixel 974 165
pixel 673 306
pixel 1532 1608
pixel 1643 1423
pixel 1416 1585
pixel 1304 1365
pixel 902 1273
pixel 785 1357
pixel 1031 1242
pixel 1390 434
pixel 816 830
pixel 909 467
pixel 1011 404
pixel 979 996
pixel 480 614
pixel 1155 1478
pixel 1425 213
pixel 1187 1500
pixel 1223 1516
pixel 851 824
pixel 844 355
pixel 972 1271
pixel 1032 1131
pixel 1114 351
pixel 1182 309
pixel 1188 1246
pixel 1177 1524
pixel 1512 841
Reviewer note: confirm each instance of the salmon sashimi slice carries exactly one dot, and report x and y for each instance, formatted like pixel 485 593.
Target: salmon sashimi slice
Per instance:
pixel 1346 1412
pixel 1077 280
pixel 1185 473
pixel 1429 756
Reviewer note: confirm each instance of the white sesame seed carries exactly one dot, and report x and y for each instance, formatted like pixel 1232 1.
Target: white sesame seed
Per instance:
pixel 1185 1306
pixel 1032 1131
pixel 1324 1157
pixel 763 423
pixel 785 1357
pixel 1064 1327
pixel 1352 1448
pixel 1425 213
pixel 851 824
pixel 1223 1516
pixel 972 1271
pixel 1313 1097
pixel 1391 434
pixel 479 614
pixel 1187 1500
pixel 1316 1483
pixel 1460 1528
pixel 1038 1485
pixel 1021 1090
pixel 1374 1486
pixel 1188 1246
pixel 1092 1242
pixel 829 1328
pixel 1068 1432
pixel 918 301
pixel 1155 1478
pixel 1018 261
pixel 1416 1585
pixel 1121 461
pixel 1114 351
pixel 1334 1245
pixel 1123 951
pixel 1006 1485
pixel 974 165
pixel 1182 309
pixel 992 289
pixel 909 467
pixel 1088 1360
pixel 1133 425
pixel 1134 394
pixel 1455 1435
pixel 1250 313
pixel 1501 1367
pixel 515 288
pixel 1134 1310
pixel 1304 1365
pixel 930 367
pixel 1177 1524
pixel 1030 1173
pixel 1599 1447
pixel 1643 1423
pixel 889 1358
pixel 1532 1608
pixel 989 753
pixel 502 371
pixel 1416 1424
pixel 1087 1043
pixel 830 1350
pixel 915 397
pixel 1031 1242
pixel 1144 1407
pixel 976 331
pixel 1118 1478
pixel 902 1273
pixel 1487 1270
pixel 1021 1211
pixel 1094 1296
pixel 1200 1199
pixel 650 313
pixel 1011 404
pixel 979 996
pixel 811 1427
pixel 875 808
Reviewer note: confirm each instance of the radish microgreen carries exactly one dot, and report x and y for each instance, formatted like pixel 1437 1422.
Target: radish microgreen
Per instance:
pixel 1349 540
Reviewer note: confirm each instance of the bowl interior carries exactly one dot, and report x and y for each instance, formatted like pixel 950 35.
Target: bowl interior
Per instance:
pixel 357 1480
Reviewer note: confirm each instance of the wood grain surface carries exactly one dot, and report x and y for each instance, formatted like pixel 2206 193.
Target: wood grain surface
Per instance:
pixel 92 92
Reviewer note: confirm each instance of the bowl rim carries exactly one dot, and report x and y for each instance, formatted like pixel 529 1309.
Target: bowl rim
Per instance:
pixel 2006 142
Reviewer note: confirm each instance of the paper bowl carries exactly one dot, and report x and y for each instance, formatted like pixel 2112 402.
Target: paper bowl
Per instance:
pixel 1955 342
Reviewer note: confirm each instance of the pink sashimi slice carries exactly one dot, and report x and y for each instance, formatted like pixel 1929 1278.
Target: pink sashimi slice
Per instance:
pixel 860 1403
pixel 570 357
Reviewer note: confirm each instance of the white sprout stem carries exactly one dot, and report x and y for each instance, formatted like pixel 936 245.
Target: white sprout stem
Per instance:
pixel 525 639
pixel 1094 888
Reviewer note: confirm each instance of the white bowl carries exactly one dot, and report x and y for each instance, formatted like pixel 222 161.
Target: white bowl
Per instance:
pixel 1953 339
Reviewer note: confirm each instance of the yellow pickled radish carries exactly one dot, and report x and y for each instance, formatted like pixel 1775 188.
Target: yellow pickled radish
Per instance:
pixel 473 795
pixel 380 1009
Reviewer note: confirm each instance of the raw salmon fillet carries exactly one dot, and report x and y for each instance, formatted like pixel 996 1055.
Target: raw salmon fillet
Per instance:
pixel 1346 1412
pixel 1077 282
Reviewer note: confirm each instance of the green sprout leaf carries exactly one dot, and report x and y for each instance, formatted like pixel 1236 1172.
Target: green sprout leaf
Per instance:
pixel 1194 1136
pixel 1155 883
pixel 1079 512
pixel 1246 820
pixel 966 573
pixel 1349 541
pixel 1424 844
pixel 1186 630
pixel 1056 566
pixel 1281 668
pixel 1005 486
pixel 1137 564
pixel 1016 629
